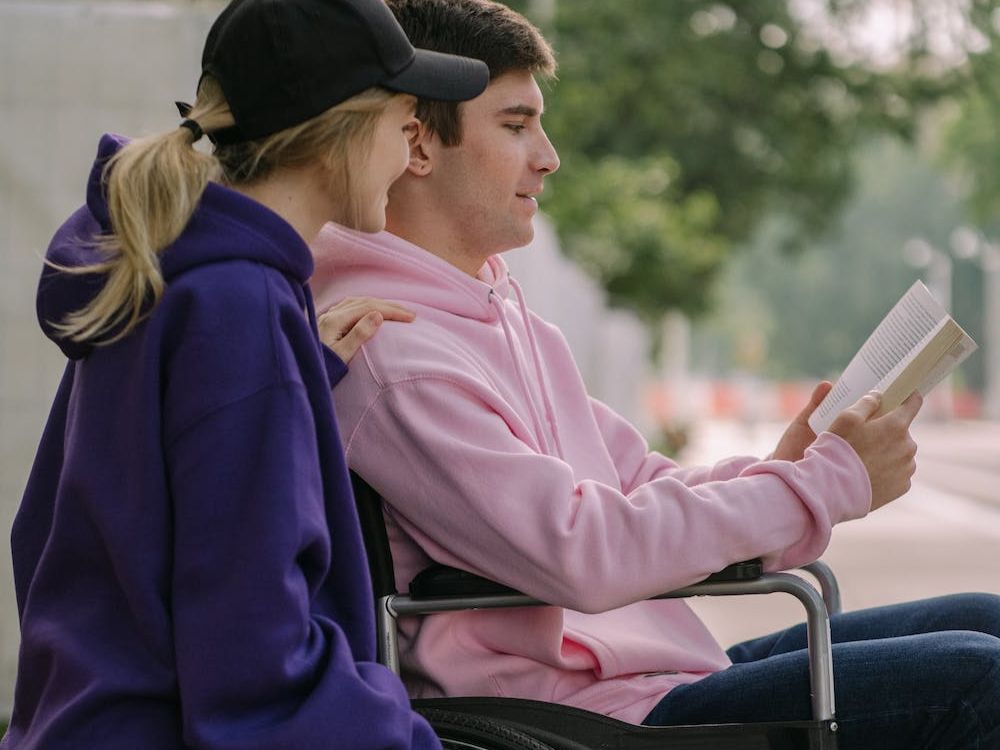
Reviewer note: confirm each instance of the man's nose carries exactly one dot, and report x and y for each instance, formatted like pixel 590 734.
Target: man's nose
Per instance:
pixel 546 159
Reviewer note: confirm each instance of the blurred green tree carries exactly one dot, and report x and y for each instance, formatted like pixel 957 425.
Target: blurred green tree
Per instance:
pixel 844 285
pixel 972 144
pixel 681 125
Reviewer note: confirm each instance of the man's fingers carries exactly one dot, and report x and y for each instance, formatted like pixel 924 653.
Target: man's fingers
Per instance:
pixel 818 394
pixel 909 409
pixel 867 405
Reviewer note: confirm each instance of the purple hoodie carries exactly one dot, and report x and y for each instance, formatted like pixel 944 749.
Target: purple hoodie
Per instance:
pixel 187 559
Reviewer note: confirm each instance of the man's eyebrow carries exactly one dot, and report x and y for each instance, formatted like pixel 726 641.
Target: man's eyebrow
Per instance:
pixel 520 109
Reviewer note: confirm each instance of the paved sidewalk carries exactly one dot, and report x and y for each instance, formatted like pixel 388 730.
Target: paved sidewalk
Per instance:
pixel 942 537
pixel 961 457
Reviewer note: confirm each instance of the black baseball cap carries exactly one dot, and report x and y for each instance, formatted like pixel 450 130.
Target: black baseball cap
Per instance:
pixel 282 62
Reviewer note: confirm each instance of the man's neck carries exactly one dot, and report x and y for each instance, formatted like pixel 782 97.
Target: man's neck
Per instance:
pixel 429 232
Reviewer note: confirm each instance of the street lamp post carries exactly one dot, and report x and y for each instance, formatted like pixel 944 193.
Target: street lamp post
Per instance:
pixel 969 244
pixel 936 265
pixel 921 254
pixel 990 263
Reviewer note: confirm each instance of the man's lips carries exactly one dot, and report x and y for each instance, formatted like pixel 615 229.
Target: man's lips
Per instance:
pixel 528 202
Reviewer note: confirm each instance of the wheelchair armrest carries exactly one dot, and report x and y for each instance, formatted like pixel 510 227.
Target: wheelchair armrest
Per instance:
pixel 442 581
pixel 828 585
pixel 747 570
pixel 817 620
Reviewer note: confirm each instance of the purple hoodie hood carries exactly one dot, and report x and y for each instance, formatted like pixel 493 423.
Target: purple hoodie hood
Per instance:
pixel 219 230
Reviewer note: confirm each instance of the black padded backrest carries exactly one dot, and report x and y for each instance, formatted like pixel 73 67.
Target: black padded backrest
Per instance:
pixel 380 563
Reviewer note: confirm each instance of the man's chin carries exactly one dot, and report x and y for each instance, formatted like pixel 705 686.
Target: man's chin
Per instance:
pixel 519 239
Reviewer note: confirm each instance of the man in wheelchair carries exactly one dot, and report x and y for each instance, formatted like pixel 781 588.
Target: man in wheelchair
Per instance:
pixel 475 426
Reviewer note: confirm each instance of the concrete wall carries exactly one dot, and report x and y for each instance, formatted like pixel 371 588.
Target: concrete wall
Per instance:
pixel 72 70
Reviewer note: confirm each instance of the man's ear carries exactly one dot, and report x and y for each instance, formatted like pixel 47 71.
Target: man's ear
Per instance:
pixel 420 153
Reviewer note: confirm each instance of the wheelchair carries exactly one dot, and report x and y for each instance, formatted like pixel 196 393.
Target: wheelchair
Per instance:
pixel 489 723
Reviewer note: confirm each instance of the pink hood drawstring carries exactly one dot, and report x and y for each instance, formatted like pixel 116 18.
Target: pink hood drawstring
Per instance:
pixel 536 358
pixel 519 368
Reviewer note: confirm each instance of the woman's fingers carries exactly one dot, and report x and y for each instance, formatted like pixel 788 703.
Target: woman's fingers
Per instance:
pixel 346 326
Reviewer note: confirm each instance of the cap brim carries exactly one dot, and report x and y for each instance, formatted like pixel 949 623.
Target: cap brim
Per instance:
pixel 434 75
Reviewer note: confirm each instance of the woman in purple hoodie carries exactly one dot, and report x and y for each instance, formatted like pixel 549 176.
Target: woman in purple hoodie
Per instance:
pixel 188 566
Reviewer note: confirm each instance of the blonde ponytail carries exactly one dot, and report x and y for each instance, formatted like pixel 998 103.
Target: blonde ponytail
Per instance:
pixel 153 186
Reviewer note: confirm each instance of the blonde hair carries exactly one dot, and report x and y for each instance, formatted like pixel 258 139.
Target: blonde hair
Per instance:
pixel 154 185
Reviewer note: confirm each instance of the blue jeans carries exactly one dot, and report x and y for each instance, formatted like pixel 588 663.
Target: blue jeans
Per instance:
pixel 924 674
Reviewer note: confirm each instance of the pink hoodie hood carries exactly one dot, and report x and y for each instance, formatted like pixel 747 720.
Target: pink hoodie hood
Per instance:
pixel 475 425
pixel 387 266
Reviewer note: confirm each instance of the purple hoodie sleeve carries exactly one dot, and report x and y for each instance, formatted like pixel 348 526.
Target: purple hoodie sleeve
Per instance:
pixel 336 368
pixel 259 665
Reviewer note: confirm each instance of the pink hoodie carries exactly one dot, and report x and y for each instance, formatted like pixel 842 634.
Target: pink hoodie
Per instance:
pixel 474 424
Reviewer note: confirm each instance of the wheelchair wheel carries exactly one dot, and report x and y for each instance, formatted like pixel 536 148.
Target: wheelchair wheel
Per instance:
pixel 461 731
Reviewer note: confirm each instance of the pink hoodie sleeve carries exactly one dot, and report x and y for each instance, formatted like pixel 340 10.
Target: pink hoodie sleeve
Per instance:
pixel 637 465
pixel 474 495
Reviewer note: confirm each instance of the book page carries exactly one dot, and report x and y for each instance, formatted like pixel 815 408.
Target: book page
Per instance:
pixel 956 355
pixel 913 320
pixel 915 372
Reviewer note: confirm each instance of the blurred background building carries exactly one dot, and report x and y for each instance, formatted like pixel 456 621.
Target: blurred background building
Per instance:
pixel 745 190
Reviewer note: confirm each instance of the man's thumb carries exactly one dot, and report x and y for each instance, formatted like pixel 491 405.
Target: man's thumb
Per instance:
pixel 868 404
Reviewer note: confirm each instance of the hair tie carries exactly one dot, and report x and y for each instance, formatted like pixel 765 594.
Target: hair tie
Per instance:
pixel 194 127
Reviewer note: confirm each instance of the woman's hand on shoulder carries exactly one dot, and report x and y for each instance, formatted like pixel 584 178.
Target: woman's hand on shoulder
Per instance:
pixel 347 325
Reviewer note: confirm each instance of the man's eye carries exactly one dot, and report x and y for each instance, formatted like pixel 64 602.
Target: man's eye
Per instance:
pixel 517 127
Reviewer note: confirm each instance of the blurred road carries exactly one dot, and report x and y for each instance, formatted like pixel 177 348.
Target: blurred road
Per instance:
pixel 942 537
pixel 962 458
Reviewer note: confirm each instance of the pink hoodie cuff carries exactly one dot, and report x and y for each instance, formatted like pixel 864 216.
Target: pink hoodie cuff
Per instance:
pixel 856 501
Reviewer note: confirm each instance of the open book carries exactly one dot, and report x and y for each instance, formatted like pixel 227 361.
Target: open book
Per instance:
pixel 913 349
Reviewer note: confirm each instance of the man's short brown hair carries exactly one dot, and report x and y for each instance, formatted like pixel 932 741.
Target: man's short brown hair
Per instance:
pixel 482 29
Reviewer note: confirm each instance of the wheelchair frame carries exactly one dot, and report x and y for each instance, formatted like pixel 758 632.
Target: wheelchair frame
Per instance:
pixel 439 594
